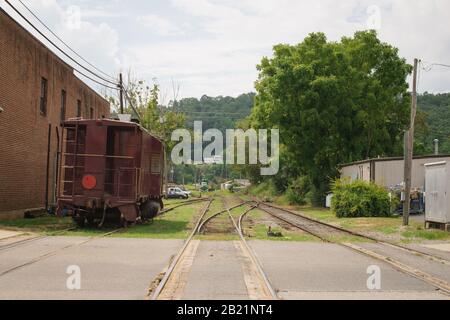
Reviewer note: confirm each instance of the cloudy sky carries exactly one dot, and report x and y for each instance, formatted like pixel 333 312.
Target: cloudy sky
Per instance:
pixel 213 46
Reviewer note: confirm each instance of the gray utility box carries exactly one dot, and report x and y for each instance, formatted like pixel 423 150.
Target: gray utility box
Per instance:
pixel 437 188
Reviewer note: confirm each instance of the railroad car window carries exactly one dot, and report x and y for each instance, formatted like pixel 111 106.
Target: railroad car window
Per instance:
pixel 78 108
pixel 63 105
pixel 91 113
pixel 43 97
pixel 156 164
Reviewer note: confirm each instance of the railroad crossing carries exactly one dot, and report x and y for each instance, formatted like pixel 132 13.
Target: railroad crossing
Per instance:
pixel 233 268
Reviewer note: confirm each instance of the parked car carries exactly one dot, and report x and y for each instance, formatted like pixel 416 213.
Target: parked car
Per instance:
pixel 177 193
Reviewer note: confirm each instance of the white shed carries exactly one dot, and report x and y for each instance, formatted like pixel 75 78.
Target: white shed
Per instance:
pixel 437 188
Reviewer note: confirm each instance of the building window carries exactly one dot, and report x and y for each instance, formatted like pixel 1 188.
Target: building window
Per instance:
pixel 63 105
pixel 78 108
pixel 43 97
pixel 91 113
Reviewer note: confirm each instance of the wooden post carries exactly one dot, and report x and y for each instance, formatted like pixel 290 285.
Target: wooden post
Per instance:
pixel 121 92
pixel 409 149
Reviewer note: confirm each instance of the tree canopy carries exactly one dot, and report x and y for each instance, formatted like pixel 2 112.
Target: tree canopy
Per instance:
pixel 334 102
pixel 216 112
pixel 434 123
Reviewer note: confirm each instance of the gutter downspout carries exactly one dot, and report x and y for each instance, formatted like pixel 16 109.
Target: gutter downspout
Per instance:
pixel 48 167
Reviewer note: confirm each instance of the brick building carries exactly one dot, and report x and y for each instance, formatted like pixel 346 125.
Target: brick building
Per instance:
pixel 37 91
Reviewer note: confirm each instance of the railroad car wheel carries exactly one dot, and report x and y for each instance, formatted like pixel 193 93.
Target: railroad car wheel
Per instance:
pixel 124 223
pixel 80 221
pixel 150 210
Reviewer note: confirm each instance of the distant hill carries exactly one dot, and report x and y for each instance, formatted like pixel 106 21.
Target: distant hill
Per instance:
pixel 436 114
pixel 216 112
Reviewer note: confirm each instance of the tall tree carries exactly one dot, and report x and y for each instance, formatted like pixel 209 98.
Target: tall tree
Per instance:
pixel 334 102
pixel 143 103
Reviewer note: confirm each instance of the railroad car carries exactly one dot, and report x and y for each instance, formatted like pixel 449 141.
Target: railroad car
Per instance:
pixel 109 171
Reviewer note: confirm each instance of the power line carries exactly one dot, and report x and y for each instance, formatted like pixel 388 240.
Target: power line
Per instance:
pixel 213 113
pixel 430 65
pixel 96 81
pixel 57 37
pixel 62 51
pixel 131 104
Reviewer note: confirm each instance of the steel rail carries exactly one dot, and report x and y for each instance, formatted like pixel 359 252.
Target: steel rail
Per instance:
pixel 155 294
pixel 440 284
pixel 185 201
pixel 357 234
pixel 183 204
pixel 253 256
pixel 54 252
pixel 32 239
pixel 241 218
pixel 203 224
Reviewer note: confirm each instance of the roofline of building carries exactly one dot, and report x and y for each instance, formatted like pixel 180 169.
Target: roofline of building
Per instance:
pixel 53 53
pixel 111 122
pixel 393 159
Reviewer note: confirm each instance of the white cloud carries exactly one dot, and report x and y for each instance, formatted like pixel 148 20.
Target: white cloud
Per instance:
pixel 159 25
pixel 97 42
pixel 213 46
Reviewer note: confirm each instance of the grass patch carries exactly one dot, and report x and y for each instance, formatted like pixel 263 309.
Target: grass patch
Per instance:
pixel 426 234
pixel 390 226
pixel 259 232
pixel 45 224
pixel 177 224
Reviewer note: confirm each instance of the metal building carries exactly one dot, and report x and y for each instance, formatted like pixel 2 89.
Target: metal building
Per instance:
pixel 438 194
pixel 389 172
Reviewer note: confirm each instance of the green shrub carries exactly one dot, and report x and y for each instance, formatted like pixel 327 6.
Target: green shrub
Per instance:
pixel 266 190
pixel 360 199
pixel 298 191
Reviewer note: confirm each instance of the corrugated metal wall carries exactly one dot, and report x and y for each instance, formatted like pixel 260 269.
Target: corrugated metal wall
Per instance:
pixel 390 173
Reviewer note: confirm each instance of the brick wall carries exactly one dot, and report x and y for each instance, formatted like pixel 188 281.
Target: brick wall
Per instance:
pixel 23 128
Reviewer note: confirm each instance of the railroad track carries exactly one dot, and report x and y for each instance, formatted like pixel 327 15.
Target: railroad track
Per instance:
pixel 209 219
pixel 55 252
pixel 323 231
pixel 181 204
pixel 157 292
pixel 341 230
pixel 32 239
pixel 251 253
pixel 52 253
pixel 201 223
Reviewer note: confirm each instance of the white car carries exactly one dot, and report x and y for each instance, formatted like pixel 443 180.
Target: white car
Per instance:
pixel 177 193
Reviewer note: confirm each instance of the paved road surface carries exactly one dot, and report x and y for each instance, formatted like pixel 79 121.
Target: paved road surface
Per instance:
pixel 329 271
pixel 111 268
pixel 114 268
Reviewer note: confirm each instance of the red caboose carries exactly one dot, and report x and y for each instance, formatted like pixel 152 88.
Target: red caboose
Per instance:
pixel 110 171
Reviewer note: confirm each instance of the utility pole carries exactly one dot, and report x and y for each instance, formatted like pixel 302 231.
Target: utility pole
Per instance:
pixel 121 93
pixel 409 149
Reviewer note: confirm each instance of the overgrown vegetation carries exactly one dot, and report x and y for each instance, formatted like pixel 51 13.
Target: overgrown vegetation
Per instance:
pixel 433 123
pixel 360 199
pixel 334 103
pixel 220 112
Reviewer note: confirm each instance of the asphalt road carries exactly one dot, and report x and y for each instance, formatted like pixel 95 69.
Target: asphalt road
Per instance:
pixel 111 268
pixel 115 268
pixel 328 271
